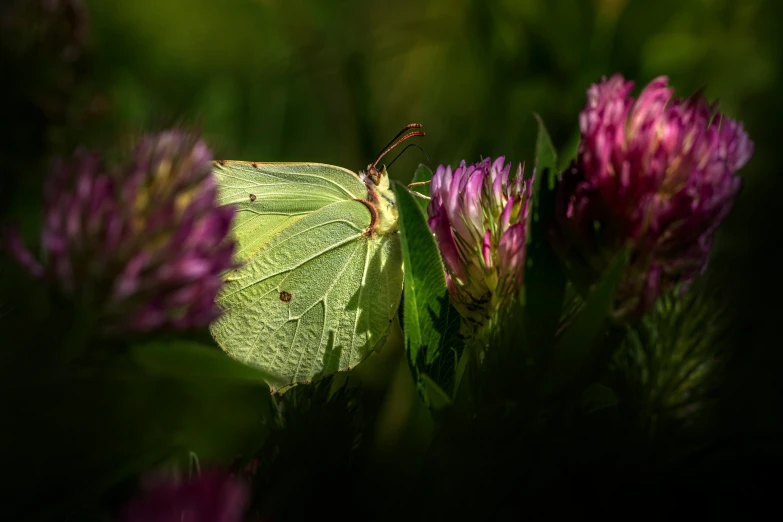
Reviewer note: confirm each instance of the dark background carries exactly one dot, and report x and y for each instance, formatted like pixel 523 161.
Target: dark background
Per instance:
pixel 331 82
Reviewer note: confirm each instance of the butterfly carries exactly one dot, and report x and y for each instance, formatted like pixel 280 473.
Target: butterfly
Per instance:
pixel 321 271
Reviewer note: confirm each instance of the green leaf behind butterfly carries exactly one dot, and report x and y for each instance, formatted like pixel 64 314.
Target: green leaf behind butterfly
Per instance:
pixel 423 174
pixel 432 325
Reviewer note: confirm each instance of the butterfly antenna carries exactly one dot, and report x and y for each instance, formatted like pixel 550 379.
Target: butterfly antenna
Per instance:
pixel 409 126
pixel 406 148
pixel 394 143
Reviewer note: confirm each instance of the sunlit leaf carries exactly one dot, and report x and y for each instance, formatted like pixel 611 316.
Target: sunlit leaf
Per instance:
pixel 431 323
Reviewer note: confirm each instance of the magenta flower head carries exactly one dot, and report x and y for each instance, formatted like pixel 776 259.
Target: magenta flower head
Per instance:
pixel 212 496
pixel 656 173
pixel 479 214
pixel 145 245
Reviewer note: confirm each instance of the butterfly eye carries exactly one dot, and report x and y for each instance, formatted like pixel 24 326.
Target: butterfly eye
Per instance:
pixel 373 174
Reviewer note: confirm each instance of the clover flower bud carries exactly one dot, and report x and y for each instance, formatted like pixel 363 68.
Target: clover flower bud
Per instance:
pixel 479 214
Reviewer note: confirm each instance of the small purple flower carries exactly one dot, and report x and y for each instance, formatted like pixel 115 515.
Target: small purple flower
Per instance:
pixel 212 496
pixel 146 245
pixel 657 173
pixel 479 218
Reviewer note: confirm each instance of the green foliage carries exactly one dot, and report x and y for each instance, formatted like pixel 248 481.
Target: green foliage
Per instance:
pixel 196 363
pixel 319 441
pixel 546 158
pixel 420 184
pixel 431 323
pixel 583 344
pixel 544 278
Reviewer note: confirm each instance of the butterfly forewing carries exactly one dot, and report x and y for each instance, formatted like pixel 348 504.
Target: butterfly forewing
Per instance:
pixel 271 196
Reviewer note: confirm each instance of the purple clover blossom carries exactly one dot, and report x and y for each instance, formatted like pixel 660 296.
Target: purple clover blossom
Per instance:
pixel 479 217
pixel 657 172
pixel 145 245
pixel 212 496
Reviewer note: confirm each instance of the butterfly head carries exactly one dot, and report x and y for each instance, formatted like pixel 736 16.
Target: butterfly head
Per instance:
pixel 375 175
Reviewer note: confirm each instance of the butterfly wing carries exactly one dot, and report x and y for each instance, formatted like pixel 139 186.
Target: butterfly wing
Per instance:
pixel 315 297
pixel 269 197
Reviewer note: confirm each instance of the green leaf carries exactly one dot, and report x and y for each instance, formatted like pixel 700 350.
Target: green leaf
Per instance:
pixel 568 151
pixel 423 174
pixel 437 399
pixel 573 352
pixel 432 324
pixel 546 158
pixel 190 361
pixel 545 280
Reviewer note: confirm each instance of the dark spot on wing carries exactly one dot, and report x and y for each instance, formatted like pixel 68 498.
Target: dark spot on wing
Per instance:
pixel 252 197
pixel 255 165
pixel 285 297
pixel 222 163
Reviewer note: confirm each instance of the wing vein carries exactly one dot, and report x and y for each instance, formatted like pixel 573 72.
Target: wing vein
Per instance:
pixel 277 175
pixel 331 286
pixel 323 300
pixel 361 291
pixel 294 267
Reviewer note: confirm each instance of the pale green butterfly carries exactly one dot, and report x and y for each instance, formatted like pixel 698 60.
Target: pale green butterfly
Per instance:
pixel 321 265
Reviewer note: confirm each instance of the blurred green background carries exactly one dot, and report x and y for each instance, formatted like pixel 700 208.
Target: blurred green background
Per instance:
pixel 300 80
pixel 333 81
